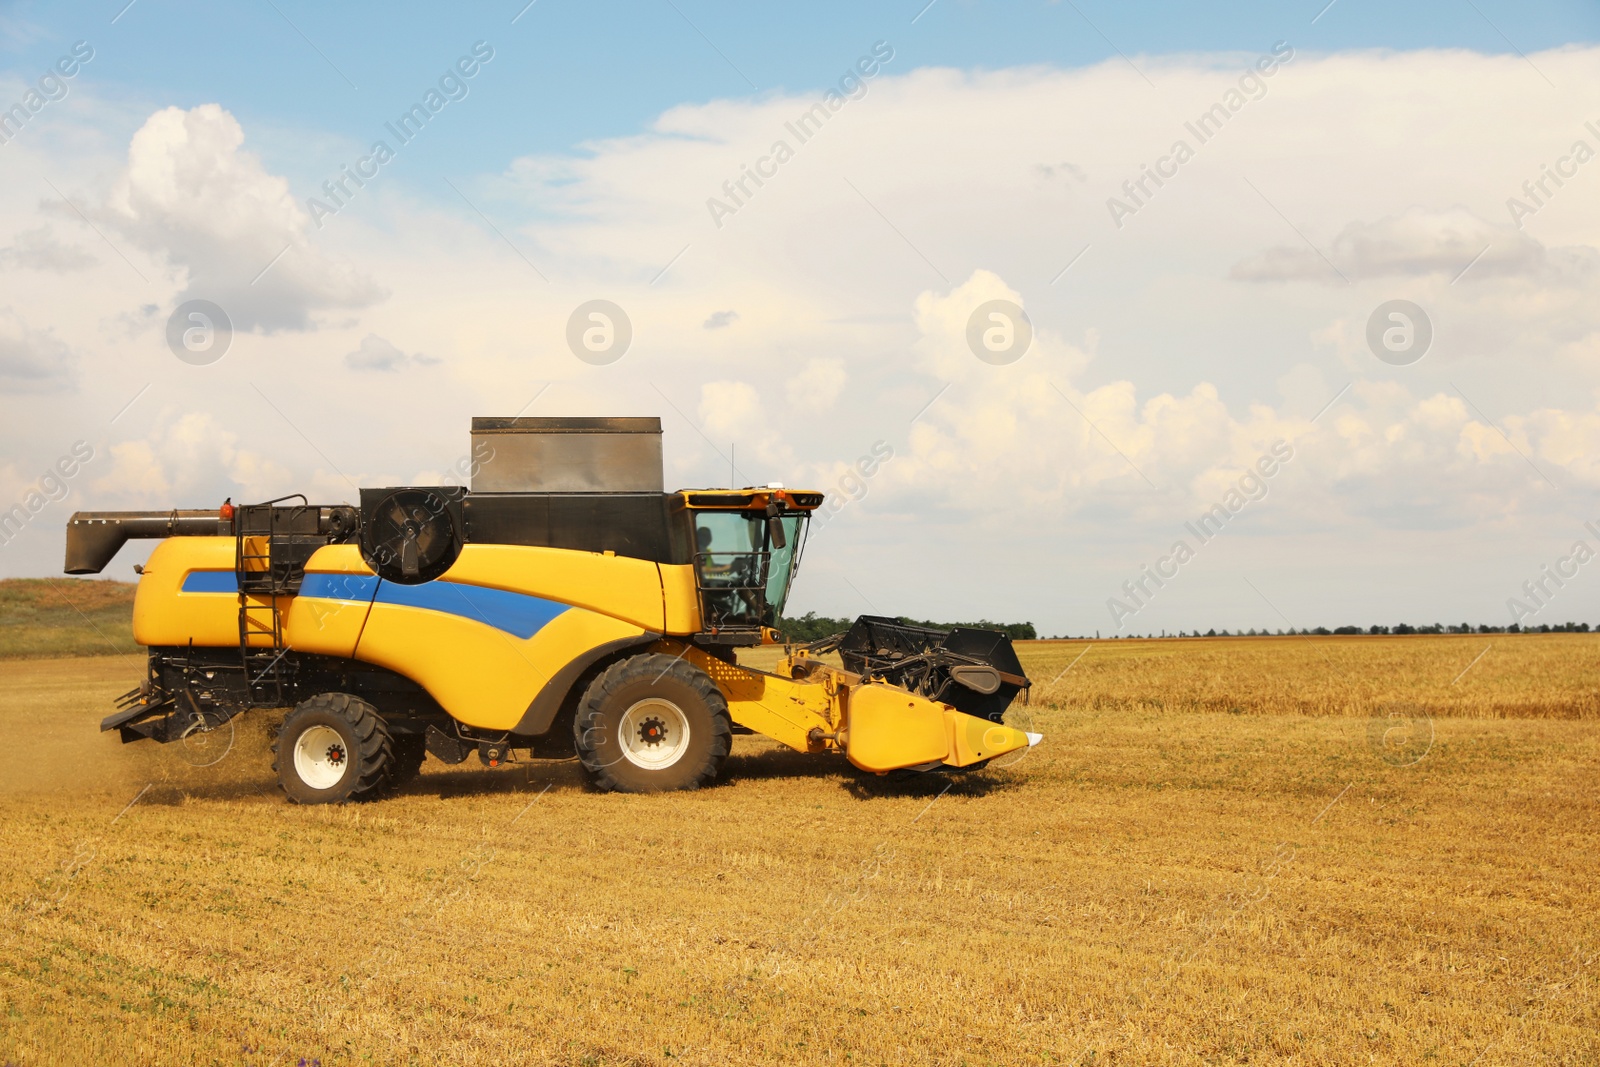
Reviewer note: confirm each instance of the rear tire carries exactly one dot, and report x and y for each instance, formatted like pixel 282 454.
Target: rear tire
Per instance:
pixel 651 723
pixel 331 749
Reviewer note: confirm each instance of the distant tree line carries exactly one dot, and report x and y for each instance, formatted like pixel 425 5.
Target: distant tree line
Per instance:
pixel 1400 628
pixel 813 627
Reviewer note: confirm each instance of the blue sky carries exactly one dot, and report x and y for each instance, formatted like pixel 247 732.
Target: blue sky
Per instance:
pixel 568 72
pixel 1172 346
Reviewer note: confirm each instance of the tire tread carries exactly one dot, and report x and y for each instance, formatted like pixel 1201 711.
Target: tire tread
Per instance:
pixel 375 748
pixel 650 667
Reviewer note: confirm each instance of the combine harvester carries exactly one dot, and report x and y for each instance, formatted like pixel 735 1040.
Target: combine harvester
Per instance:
pixel 565 605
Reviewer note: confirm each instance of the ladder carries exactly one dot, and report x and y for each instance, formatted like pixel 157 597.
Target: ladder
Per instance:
pixel 266 576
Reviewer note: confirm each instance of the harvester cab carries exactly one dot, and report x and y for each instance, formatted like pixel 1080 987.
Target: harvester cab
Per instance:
pixel 747 549
pixel 563 605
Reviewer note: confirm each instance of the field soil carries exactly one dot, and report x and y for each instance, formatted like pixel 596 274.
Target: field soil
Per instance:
pixel 1296 850
pixel 65 617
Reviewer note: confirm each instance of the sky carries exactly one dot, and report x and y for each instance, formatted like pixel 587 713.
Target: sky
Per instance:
pixel 1140 318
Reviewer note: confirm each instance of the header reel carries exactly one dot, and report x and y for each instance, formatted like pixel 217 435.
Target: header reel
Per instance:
pixel 974 671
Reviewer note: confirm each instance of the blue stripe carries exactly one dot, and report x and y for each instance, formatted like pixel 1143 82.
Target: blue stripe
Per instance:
pixel 517 614
pixel 210 582
pixel 339 586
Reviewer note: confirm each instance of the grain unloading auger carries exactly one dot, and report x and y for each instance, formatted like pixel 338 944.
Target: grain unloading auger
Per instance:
pixel 564 606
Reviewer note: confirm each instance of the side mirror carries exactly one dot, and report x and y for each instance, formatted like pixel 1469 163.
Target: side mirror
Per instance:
pixel 775 532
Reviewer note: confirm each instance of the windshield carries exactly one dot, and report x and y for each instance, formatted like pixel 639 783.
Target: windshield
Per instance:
pixel 744 576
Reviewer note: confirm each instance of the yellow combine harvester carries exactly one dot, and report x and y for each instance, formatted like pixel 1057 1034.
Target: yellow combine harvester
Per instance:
pixel 565 605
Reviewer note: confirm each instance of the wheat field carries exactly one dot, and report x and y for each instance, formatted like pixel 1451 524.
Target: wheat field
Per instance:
pixel 1296 850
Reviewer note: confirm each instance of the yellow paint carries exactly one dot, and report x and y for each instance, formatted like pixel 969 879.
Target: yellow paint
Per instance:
pixel 477 673
pixel 624 588
pixel 681 596
pixel 481 675
pixel 330 625
pixel 889 728
pixel 165 615
pixel 338 559
pixel 973 739
pixel 255 552
pixel 884 728
pixel 784 710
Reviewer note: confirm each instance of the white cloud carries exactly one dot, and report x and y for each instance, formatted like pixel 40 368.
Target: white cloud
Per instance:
pixel 1421 241
pixel 1149 360
pixel 818 385
pixel 733 416
pixel 378 354
pixel 720 319
pixel 32 361
pixel 40 249
pixel 730 410
pixel 192 461
pixel 1027 432
pixel 193 196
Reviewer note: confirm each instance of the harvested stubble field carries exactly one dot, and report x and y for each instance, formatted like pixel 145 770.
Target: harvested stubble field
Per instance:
pixel 1217 856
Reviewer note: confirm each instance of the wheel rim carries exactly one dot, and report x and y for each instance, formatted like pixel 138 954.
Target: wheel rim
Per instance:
pixel 321 757
pixel 654 734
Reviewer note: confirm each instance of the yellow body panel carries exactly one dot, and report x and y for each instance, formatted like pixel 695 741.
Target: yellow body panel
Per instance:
pixel 681 594
pixel 482 676
pixel 881 727
pixel 445 639
pixel 784 710
pixel 619 586
pixel 973 739
pixel 330 623
pixel 890 728
pixel 165 614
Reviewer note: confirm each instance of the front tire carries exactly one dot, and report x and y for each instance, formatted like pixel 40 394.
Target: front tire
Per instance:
pixel 651 723
pixel 331 749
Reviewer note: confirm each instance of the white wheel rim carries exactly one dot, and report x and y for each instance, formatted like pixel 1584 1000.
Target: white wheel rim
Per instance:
pixel 321 757
pixel 654 734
